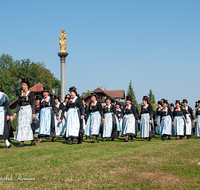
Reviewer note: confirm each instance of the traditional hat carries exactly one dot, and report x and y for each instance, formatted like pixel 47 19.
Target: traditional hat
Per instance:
pixel 198 101
pixel 165 102
pixel 128 98
pixel 184 101
pixel 45 89
pixel 145 98
pixel 1 87
pixel 107 98
pixel 67 96
pixel 25 80
pixel 177 102
pixel 57 97
pixel 171 105
pixel 117 103
pixel 159 102
pixel 37 97
pixel 94 94
pixel 73 89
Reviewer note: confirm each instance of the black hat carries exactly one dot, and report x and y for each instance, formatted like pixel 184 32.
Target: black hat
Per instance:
pixel 117 103
pixel 57 97
pixel 37 97
pixel 184 101
pixel 107 98
pixel 159 102
pixel 67 96
pixel 128 98
pixel 73 89
pixel 1 87
pixel 25 80
pixel 145 98
pixel 177 102
pixel 94 94
pixel 45 89
pixel 172 105
pixel 165 102
pixel 198 101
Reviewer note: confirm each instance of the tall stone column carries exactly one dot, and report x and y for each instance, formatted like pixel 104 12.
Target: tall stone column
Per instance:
pixel 63 56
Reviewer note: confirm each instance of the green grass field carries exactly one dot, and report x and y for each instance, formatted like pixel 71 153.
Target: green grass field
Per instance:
pixel 106 165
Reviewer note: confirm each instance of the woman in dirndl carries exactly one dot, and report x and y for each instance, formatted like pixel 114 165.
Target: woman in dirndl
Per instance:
pixel 109 120
pixel 146 116
pixel 197 120
pixel 158 115
pixel 64 115
pixel 47 111
pixel 178 120
pixel 26 110
pixel 165 122
pixel 119 114
pixel 74 117
pixel 129 120
pixel 189 116
pixel 5 116
pixel 94 120
pixel 59 106
pixel 37 111
pixel 86 114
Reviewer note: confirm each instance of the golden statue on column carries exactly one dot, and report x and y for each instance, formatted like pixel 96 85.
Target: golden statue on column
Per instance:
pixel 62 41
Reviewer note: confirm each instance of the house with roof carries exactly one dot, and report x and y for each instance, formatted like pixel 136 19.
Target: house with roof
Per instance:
pixel 116 95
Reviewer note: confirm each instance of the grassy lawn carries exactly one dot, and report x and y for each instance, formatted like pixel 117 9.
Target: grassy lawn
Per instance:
pixel 106 165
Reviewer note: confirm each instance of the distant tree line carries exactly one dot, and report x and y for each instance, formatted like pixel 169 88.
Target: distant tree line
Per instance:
pixel 11 71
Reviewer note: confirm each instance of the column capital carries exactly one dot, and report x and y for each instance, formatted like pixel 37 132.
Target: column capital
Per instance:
pixel 62 54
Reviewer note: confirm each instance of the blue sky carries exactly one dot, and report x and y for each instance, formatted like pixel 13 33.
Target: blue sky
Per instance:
pixel 107 41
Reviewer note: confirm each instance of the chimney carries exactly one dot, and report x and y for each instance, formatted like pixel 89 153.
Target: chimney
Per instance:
pixel 101 87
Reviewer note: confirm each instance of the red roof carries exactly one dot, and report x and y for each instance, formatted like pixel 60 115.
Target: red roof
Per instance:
pixel 116 93
pixel 37 87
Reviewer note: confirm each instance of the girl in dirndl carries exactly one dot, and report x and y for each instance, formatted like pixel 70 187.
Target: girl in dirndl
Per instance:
pixel 47 111
pixel 37 111
pixel 64 115
pixel 197 120
pixel 94 120
pixel 74 117
pixel 146 116
pixel 5 116
pixel 26 110
pixel 178 120
pixel 129 120
pixel 189 116
pixel 109 120
pixel 165 121
pixel 119 114
pixel 59 107
pixel 158 114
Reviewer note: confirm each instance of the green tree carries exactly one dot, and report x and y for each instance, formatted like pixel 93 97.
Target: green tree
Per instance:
pixel 151 97
pixel 152 100
pixel 12 71
pixel 131 93
pixel 84 94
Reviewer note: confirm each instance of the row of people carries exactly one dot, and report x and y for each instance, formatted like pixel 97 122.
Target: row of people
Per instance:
pixel 73 118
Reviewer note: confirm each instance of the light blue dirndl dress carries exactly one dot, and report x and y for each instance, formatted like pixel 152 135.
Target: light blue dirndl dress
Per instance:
pixel 72 123
pixel 24 131
pixel 145 126
pixel 107 125
pixel 3 98
pixel 166 125
pixel 179 125
pixel 93 124
pixel 128 124
pixel 198 126
pixel 157 128
pixel 45 119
